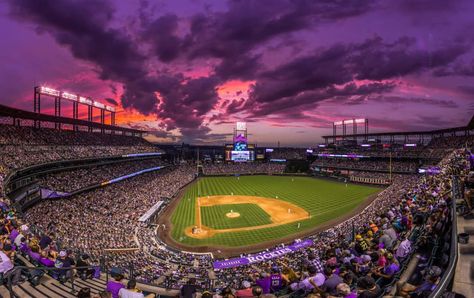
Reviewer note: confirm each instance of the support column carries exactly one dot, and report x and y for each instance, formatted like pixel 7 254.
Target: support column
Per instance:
pixel 343 130
pixel 102 120
pixel 75 113
pixel 37 106
pixel 89 116
pixel 57 111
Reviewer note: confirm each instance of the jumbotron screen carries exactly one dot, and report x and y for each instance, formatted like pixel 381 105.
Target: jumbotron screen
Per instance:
pixel 240 155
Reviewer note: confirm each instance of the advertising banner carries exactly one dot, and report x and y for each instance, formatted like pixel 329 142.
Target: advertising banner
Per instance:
pixel 275 253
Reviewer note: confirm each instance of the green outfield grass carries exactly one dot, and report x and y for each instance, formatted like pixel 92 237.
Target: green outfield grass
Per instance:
pixel 323 199
pixel 250 215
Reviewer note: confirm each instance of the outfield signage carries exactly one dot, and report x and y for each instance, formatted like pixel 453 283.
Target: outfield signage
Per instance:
pixel 267 255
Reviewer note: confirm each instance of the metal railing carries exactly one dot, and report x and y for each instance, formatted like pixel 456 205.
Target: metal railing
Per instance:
pixel 46 269
pixel 448 275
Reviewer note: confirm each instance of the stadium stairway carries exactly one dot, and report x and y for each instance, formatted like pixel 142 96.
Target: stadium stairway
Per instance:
pixel 51 288
pixel 464 276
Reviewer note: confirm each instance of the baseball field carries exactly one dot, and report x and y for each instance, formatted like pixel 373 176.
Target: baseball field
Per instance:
pixel 248 210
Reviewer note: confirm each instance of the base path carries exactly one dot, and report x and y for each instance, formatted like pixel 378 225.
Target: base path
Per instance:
pixel 281 212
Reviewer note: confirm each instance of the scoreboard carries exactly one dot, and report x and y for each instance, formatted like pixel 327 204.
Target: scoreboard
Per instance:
pixel 240 150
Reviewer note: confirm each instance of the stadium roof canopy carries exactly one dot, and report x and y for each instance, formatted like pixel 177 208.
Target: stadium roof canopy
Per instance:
pixel 406 136
pixel 18 116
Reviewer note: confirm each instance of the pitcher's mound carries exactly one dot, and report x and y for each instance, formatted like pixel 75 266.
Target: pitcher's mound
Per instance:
pixel 233 214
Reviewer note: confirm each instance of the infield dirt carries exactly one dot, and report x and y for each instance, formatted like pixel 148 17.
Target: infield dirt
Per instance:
pixel 281 212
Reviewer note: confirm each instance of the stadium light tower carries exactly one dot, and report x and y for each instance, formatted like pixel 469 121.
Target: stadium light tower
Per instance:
pixel 355 123
pixel 76 100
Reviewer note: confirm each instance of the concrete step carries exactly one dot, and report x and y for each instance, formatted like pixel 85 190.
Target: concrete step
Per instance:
pixel 32 291
pixel 4 292
pixel 19 292
pixel 79 284
pixel 46 292
pixel 60 290
pixel 97 283
pixel 48 287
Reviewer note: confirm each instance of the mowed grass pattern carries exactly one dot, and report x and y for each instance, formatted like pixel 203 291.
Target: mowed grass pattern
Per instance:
pixel 250 215
pixel 323 199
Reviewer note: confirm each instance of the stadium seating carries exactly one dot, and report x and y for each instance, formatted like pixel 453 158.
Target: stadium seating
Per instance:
pixel 405 227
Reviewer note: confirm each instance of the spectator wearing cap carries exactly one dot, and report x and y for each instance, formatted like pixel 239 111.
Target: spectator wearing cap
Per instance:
pixel 361 245
pixel 246 291
pixel 114 286
pixel 62 261
pixel 365 265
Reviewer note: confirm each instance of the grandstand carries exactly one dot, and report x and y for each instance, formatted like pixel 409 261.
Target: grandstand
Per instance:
pixel 96 200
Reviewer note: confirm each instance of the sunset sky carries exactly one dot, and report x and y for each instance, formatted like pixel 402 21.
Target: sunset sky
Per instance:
pixel 189 69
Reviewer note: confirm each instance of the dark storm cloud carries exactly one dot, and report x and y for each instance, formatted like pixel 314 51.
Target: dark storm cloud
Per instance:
pixel 233 35
pixel 465 69
pixel 442 103
pixel 313 78
pixel 234 43
pixel 85 30
pixel 162 32
pixel 377 60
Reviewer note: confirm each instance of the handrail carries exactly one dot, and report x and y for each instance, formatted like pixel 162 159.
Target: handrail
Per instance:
pixel 449 273
pixel 9 279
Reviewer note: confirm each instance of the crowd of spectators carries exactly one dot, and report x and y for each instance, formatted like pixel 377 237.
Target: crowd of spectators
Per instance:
pixel 356 258
pixel 287 153
pixel 452 142
pixel 25 135
pixel 243 168
pixel 106 218
pixel 365 164
pixel 70 180
pixel 403 216
pixel 421 152
pixel 376 175
pixel 25 146
pixel 407 217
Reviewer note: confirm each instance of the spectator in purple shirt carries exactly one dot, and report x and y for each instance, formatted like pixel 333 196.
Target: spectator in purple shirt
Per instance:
pixel 45 260
pixel 114 286
pixel 265 282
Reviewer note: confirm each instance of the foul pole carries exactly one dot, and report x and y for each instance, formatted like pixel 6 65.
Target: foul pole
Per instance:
pixel 390 168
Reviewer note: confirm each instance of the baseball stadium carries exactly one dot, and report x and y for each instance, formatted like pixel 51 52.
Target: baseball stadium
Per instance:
pixel 244 212
pixel 236 149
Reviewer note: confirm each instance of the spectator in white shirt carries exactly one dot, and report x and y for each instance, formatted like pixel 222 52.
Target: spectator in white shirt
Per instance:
pixel 132 292
pixel 7 267
pixel 403 249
